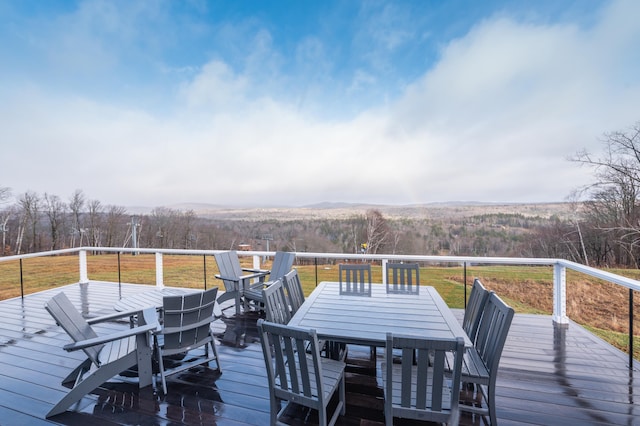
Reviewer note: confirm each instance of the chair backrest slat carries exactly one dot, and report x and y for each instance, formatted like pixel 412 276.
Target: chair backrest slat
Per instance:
pixel 275 303
pixel 475 307
pixel 492 332
pixel 187 319
pixel 419 387
pixel 403 278
pixel 355 279
pixel 293 287
pixel 293 368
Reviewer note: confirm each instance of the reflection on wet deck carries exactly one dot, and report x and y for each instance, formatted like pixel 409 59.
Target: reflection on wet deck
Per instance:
pixel 548 375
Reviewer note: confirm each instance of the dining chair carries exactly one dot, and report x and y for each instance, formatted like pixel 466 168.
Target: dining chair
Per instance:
pixel 421 387
pixel 475 306
pixel 107 355
pixel 403 278
pixel 480 363
pixel 298 374
pixel 293 287
pixel 275 303
pixel 282 263
pixel 186 326
pixel 355 279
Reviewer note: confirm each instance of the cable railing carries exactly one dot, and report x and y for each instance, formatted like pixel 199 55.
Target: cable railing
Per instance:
pixel 559 266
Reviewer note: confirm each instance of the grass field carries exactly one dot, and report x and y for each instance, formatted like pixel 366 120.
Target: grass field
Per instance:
pixel 601 306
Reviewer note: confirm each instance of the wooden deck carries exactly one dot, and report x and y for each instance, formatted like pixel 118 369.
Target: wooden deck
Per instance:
pixel 547 376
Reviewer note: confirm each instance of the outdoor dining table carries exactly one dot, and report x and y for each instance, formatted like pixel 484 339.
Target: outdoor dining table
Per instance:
pixel 365 320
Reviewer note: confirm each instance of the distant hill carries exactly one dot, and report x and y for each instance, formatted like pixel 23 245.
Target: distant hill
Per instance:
pixel 331 210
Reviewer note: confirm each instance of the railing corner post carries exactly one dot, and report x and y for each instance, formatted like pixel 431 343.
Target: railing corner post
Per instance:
pixel 84 275
pixel 560 294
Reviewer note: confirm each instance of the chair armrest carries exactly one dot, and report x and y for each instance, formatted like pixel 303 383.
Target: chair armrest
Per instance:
pixel 257 271
pixel 243 277
pixel 117 315
pixel 234 279
pixel 152 326
pixel 254 275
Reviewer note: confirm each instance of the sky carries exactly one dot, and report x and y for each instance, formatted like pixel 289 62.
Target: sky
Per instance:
pixel 291 103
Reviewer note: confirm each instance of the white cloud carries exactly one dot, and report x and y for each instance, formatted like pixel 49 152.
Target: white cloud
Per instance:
pixel 493 120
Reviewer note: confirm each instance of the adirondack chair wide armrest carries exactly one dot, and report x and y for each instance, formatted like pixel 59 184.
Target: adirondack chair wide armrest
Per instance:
pixel 242 277
pixel 151 326
pixel 257 271
pixel 117 315
pixel 254 275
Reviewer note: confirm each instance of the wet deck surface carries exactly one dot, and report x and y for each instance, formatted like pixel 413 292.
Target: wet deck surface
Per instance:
pixel 547 375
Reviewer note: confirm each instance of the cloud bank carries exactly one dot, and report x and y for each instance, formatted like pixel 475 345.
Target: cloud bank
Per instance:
pixel 491 117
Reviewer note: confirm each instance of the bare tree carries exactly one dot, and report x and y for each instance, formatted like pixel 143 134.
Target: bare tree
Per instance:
pixel 95 212
pixel 76 204
pixel 5 215
pixel 54 209
pixel 377 231
pixel 29 204
pixel 613 197
pixel 116 226
pixel 5 194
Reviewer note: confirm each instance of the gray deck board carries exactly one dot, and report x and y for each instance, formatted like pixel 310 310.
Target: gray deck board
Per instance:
pixel 566 378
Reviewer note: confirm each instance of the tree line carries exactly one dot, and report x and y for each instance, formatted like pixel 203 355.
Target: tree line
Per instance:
pixel 604 229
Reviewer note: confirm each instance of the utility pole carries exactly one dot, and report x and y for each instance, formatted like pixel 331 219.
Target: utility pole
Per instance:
pixel 267 238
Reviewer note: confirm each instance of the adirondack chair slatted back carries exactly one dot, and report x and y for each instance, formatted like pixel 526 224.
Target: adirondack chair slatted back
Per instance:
pixel 419 386
pixel 492 332
pixel 355 279
pixel 229 266
pixel 293 287
pixel 282 263
pixel 275 303
pixel 187 319
pixel 475 306
pixel 71 321
pixel 403 278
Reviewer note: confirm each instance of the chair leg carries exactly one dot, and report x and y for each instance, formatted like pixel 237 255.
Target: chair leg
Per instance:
pixel 160 366
pixel 92 381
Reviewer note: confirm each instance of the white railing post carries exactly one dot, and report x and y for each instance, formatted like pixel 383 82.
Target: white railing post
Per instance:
pixel 560 294
pixel 159 271
pixel 256 262
pixel 384 271
pixel 84 276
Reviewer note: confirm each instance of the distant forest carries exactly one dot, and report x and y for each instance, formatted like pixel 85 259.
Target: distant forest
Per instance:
pixel 46 222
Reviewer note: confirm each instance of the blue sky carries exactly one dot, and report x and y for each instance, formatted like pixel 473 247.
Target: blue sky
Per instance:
pixel 296 102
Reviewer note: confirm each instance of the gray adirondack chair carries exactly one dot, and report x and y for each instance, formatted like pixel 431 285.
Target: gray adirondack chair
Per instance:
pixel 186 326
pixel 298 374
pixel 475 306
pixel 355 279
pixel 282 263
pixel 421 389
pixel 107 356
pixel 275 303
pixel 403 278
pixel 480 363
pixel 293 288
pixel 235 278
